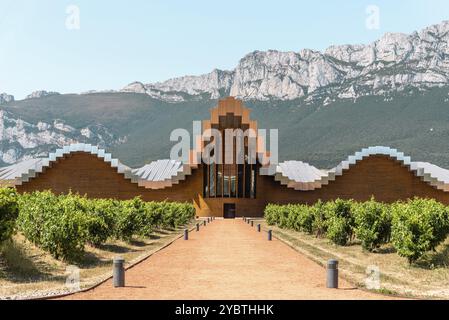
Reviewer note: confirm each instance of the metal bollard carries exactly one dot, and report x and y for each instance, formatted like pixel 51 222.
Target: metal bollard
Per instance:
pixel 244 219
pixel 247 221
pixel 204 222
pixel 270 235
pixel 258 227
pixel 197 227
pixel 252 223
pixel 186 234
pixel 208 220
pixel 118 272
pixel 332 274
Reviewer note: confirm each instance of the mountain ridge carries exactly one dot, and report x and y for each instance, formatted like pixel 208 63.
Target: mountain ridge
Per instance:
pixel 388 64
pixel 326 105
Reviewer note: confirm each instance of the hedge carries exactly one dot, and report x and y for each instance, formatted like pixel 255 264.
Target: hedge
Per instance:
pixel 9 211
pixel 64 224
pixel 339 221
pixel 418 226
pixel 372 224
pixel 413 227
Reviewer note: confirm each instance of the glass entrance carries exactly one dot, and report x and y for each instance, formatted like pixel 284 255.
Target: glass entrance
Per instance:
pixel 229 210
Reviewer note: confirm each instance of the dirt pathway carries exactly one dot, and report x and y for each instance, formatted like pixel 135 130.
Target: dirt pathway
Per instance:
pixel 227 259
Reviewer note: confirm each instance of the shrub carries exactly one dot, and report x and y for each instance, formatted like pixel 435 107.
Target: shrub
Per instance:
pixel 154 214
pixel 319 226
pixel 65 232
pixel 9 211
pixel 271 214
pixel 413 227
pixel 62 225
pixel 337 230
pixel 283 212
pixel 56 224
pixel 129 219
pixel 339 221
pixel 186 212
pixel 292 213
pixel 168 215
pixel 418 226
pixel 107 209
pixel 305 218
pixel 372 223
pixel 97 230
pixel 34 208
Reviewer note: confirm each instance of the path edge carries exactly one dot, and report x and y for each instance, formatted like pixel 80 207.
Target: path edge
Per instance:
pixel 108 277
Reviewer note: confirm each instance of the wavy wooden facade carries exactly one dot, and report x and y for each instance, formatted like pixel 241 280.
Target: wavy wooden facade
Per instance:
pixel 378 175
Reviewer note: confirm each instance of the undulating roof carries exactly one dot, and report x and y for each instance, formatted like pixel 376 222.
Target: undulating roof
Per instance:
pixel 161 173
pixel 23 171
pixel 303 176
pixel 164 173
pixel 158 174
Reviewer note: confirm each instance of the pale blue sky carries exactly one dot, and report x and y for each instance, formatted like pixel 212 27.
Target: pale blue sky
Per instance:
pixel 122 41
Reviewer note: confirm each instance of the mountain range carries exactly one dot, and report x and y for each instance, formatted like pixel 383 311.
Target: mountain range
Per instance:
pixel 326 105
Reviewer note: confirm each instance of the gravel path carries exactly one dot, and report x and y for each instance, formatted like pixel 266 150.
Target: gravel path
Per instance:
pixel 227 259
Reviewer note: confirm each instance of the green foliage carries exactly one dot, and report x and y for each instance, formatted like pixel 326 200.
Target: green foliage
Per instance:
pixel 319 226
pixel 129 219
pixel 418 226
pixel 339 221
pixel 375 120
pixel 102 222
pixel 184 212
pixel 271 214
pixel 34 208
pixel 56 224
pixel 304 218
pixel 372 224
pixel 297 217
pixel 9 211
pixel 413 227
pixel 64 224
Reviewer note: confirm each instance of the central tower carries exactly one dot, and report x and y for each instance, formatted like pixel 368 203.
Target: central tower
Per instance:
pixel 233 173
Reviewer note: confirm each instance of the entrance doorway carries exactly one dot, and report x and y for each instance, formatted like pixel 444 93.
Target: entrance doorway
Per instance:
pixel 229 211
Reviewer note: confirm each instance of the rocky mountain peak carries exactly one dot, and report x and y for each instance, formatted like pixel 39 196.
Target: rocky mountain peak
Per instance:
pixel 5 98
pixel 40 94
pixel 392 63
pixel 21 140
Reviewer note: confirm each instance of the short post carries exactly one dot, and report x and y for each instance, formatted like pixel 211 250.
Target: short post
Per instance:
pixel 197 227
pixel 252 223
pixel 332 274
pixel 247 221
pixel 258 227
pixel 244 219
pixel 118 272
pixel 186 234
pixel 270 235
pixel 208 220
pixel 204 222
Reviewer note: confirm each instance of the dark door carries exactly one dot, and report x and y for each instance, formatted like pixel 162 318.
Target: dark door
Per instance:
pixel 229 211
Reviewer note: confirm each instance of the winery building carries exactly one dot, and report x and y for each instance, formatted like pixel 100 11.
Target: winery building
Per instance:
pixel 235 189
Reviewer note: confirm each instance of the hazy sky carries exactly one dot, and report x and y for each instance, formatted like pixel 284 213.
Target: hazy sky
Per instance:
pixel 122 41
